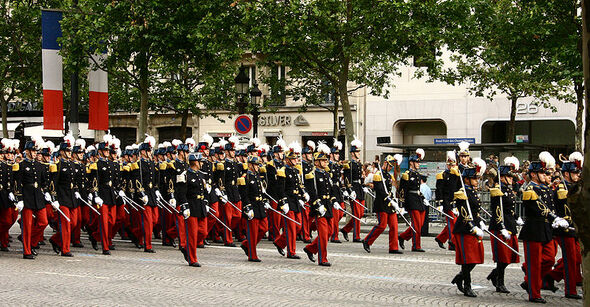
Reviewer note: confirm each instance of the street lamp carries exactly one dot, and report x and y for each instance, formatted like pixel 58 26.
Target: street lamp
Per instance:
pixel 242 83
pixel 255 93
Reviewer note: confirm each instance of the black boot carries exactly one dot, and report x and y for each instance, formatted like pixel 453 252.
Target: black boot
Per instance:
pixel 500 287
pixel 458 281
pixel 466 273
pixel 451 246
pixel 492 277
pixel 440 243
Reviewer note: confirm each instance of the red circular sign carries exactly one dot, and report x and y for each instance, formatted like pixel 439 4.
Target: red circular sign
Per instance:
pixel 243 124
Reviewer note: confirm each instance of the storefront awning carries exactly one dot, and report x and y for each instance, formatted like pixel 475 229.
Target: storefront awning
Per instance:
pixel 10 127
pixel 38 130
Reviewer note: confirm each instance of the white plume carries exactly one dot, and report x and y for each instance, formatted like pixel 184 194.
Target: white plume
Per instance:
pixel 6 143
pixel 322 147
pixel 311 144
pixel 222 143
pixel 38 141
pixel 463 146
pixel 165 144
pixel 150 140
pixel 128 147
pixel 480 166
pixel 281 143
pixel 116 143
pixel 135 146
pixel 191 144
pixel 264 147
pixel 234 139
pixel 337 144
pixel 81 143
pixel 548 159
pixel 512 161
pixel 69 139
pixel 576 156
pixel 356 142
pixel 421 154
pixel 207 139
pixel 49 145
pixel 215 145
pixel 451 156
pixel 15 144
pixel 176 142
pixel 107 138
pixel 160 146
pixel 295 147
pixel 90 148
pixel 398 159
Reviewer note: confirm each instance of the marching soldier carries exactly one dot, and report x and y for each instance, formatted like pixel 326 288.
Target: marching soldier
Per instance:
pixel 8 214
pixel 321 199
pixel 468 230
pixel 446 185
pixel 80 186
pixel 254 207
pixel 273 187
pixel 228 171
pixel 503 224
pixel 353 178
pixel 146 183
pixel 29 175
pixel 308 167
pixel 336 172
pixel 385 207
pixel 413 201
pixel 536 234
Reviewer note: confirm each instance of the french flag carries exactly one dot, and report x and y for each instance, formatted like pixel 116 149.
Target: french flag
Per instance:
pixel 52 70
pixel 98 97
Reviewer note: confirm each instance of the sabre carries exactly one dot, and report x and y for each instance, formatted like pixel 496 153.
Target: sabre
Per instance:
pixel 124 208
pixel 87 204
pixel 484 211
pixel 161 205
pixel 369 192
pixel 356 201
pixel 224 198
pixel 407 222
pixel 63 214
pixel 439 211
pixel 133 203
pixel 502 241
pixel 290 219
pixel 167 203
pixel 213 215
pixel 352 215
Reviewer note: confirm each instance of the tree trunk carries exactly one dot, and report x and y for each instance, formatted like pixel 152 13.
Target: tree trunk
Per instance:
pixel 579 199
pixel 512 123
pixel 4 117
pixel 579 89
pixel 335 118
pixel 183 123
pixel 346 110
pixel 143 109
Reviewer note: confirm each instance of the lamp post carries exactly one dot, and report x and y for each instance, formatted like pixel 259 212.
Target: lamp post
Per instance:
pixel 242 83
pixel 255 93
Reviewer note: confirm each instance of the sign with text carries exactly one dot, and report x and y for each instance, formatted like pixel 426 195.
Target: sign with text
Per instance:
pixel 454 140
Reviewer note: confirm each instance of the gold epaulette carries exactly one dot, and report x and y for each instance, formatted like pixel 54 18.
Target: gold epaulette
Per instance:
pixel 262 169
pixel 244 166
pixel 219 166
pixel 53 168
pixel 439 176
pixel 460 195
pixel 15 167
pixel 241 180
pixel 530 194
pixel 281 172
pixel 133 166
pixel 170 165
pixel 495 192
pixel 309 175
pixel 377 177
pixel 163 166
pixel 93 166
pixel 406 175
pixel 455 171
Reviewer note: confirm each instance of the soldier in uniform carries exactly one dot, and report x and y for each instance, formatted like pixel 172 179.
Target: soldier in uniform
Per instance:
pixel 336 172
pixel 80 187
pixel 413 201
pixel 29 175
pixel 146 182
pixel 254 205
pixel 307 165
pixel 503 224
pixel 192 189
pixel 353 178
pixel 228 172
pixel 273 186
pixel 468 230
pixel 321 199
pixel 447 183
pixel 8 214
pixel 568 267
pixel 536 233
pixel 290 191
pixel 385 207
pixel 178 169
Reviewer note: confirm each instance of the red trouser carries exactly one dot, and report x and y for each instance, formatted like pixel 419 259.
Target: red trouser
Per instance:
pixel 192 237
pixel 106 221
pixel 170 222
pixel 149 217
pixel 354 224
pixel 255 229
pixel 231 218
pixel 32 228
pixel 64 231
pixel 534 252
pixel 384 219
pixel 78 225
pixel 568 267
pixel 181 228
pixel 7 218
pixel 289 235
pixel 135 222
pixel 447 232
pixel 320 243
pixel 417 222
pixel 275 224
pixel 211 221
pixel 336 217
pixel 202 230
pixel 305 224
pixel 120 220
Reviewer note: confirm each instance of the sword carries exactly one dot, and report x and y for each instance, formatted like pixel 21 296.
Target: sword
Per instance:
pixel 290 219
pixel 124 208
pixel 213 215
pixel 62 213
pixel 484 211
pixel 435 208
pixel 368 191
pixel 502 241
pixel 356 201
pixel 87 204
pixel 352 215
pixel 133 203
pixel 161 205
pixel 229 202
pixel 167 203
pixel 408 222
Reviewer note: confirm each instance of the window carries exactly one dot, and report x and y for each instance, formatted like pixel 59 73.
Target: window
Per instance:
pixel 278 95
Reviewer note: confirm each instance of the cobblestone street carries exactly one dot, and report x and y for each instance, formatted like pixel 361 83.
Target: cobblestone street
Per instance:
pixel 130 277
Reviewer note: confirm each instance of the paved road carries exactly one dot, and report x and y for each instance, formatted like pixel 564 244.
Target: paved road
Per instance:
pixel 132 278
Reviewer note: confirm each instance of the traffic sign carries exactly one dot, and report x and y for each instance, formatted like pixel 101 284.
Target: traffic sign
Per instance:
pixel 243 124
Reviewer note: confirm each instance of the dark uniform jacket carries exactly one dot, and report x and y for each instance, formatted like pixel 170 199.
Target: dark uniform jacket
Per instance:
pixel 7 185
pixel 321 192
pixel 254 200
pixel 507 220
pixel 291 187
pixel 106 180
pixel 353 177
pixel 64 178
pixel 447 183
pixel 208 169
pixel 410 191
pixel 30 175
pixel 148 179
pixel 191 191
pixel 336 174
pixel 538 214
pixel 562 210
pixel 465 222
pixel 271 177
pixel 308 169
pixel 382 185
pixel 230 172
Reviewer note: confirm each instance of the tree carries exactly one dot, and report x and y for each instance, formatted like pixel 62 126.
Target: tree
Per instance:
pixel 20 54
pixel 337 42
pixel 499 48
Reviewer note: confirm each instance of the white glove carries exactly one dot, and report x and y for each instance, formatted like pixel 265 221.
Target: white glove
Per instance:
pixel 519 221
pixel 98 200
pixel 336 206
pixel 47 197
pixel 345 194
pixel 172 202
pixel 186 213
pixel 322 210
pixel 207 208
pixel 55 205
pixel 353 195
pixel 267 206
pixel 401 211
pixel 90 197
pixel 439 208
pixel 145 199
pixel 208 187
pixel 218 192
pixel 77 195
pixel 158 194
pixel 560 223
pixel 20 205
pixel 505 234
pixel 263 190
pixel 12 198
pixel 306 196
pixel 285 208
pixel 477 231
pixel 301 203
pixel 455 211
pixel 483 226
pixel 366 190
pixel 224 198
pixel 122 194
pixel 250 214
pixel 426 203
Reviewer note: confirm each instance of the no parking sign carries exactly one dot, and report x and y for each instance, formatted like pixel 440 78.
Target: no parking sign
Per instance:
pixel 243 124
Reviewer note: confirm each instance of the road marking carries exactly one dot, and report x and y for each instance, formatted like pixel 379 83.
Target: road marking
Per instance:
pixel 73 275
